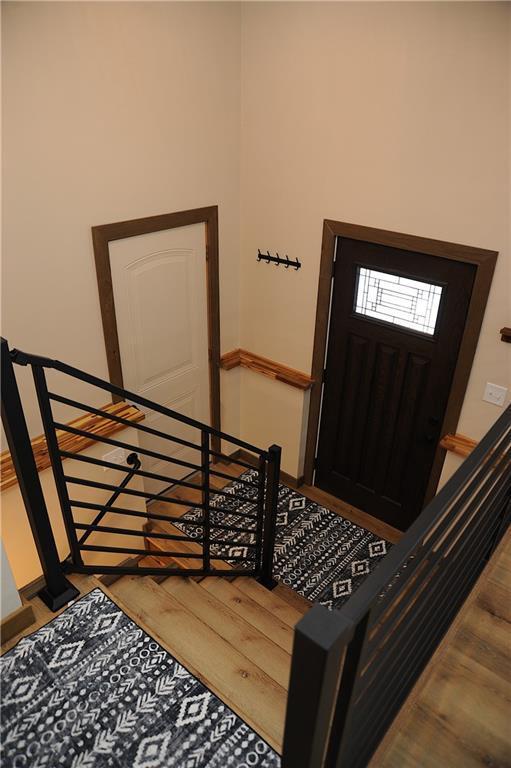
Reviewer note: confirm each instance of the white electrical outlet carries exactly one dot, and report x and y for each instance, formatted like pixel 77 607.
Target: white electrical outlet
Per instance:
pixel 117 456
pixel 495 394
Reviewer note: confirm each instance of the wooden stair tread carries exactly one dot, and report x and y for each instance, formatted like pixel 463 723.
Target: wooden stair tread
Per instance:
pixel 266 622
pixel 216 613
pixel 243 686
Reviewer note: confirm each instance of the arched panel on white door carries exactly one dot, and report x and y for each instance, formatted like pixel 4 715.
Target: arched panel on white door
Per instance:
pixel 159 287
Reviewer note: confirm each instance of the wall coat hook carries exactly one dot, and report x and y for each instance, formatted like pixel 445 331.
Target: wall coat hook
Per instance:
pixel 268 258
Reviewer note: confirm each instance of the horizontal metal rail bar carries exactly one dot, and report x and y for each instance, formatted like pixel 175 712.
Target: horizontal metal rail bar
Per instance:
pixel 156 516
pixel 393 696
pixel 139 551
pixel 125 422
pixel 495 482
pixel 368 593
pixel 231 460
pixel 26 358
pixel 411 632
pixel 162 571
pixel 151 475
pixel 121 444
pixel 359 748
pixel 135 532
pixel 144 428
pixel 152 497
pixel 480 480
pixel 213 543
pixel 443 585
pixel 156 552
pixel 145 452
pixel 127 491
pixel 174 519
pixel 132 512
pixel 401 671
pixel 236 496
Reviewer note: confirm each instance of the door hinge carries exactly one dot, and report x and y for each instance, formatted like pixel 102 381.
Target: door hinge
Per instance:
pixel 207 253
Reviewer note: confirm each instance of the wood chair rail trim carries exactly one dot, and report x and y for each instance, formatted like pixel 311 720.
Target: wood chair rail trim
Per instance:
pixel 459 444
pixel 266 367
pixel 89 422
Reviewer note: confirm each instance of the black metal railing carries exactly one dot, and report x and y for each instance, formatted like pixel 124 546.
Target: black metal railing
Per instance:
pixel 353 668
pixel 233 535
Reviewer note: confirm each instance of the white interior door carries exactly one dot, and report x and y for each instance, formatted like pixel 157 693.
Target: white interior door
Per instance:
pixel 159 287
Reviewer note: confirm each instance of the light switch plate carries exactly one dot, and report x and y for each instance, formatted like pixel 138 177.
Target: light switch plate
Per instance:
pixel 117 456
pixel 493 393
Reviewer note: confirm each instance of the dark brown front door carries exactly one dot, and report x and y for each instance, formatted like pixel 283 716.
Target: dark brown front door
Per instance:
pixel 396 323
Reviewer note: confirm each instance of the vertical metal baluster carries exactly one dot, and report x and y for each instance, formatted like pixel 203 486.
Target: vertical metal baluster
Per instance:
pixel 206 528
pixel 58 590
pixel 258 552
pixel 56 460
pixel 270 517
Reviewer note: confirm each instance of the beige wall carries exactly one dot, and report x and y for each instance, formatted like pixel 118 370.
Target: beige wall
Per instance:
pixel 111 111
pixel 387 115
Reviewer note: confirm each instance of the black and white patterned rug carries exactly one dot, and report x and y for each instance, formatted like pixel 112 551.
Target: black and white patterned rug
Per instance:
pixel 319 554
pixel 92 690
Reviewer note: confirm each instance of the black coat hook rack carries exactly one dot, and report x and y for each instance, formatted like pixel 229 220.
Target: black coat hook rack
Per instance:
pixel 278 260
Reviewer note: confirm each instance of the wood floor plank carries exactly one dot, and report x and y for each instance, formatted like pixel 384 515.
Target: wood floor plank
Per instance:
pixel 230 625
pixel 236 680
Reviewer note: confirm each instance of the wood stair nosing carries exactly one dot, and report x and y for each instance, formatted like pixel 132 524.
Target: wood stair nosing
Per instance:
pixel 276 606
pixel 169 545
pixel 243 686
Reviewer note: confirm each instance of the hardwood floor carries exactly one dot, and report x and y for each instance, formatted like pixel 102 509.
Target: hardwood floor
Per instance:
pixel 237 638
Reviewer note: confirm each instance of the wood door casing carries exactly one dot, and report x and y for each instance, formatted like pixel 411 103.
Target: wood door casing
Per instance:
pixel 105 234
pixel 386 387
pixel 483 259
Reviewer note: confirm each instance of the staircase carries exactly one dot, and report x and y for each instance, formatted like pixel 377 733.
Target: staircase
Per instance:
pixel 235 635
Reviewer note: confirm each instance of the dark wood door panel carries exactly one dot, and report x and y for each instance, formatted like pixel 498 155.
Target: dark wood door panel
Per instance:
pixel 386 387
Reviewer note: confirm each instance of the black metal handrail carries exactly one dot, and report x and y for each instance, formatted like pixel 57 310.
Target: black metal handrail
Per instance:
pixel 135 463
pixel 353 668
pixel 222 520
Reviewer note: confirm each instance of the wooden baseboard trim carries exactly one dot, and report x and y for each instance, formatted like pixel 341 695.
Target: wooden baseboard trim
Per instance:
pixel 241 453
pixel 266 367
pixel 16 622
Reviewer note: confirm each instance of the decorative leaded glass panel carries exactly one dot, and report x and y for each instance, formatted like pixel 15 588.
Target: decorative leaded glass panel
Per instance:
pixel 398 300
